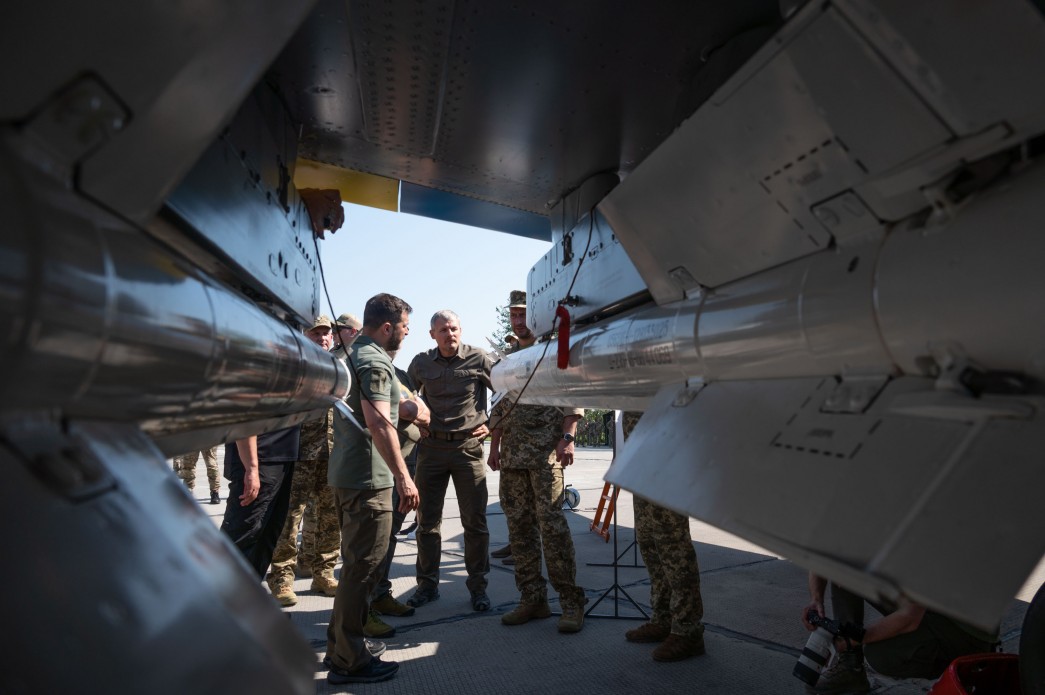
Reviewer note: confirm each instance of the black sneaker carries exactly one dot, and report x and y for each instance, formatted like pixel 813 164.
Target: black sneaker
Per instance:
pixel 374 646
pixel 480 601
pixel 374 672
pixel 426 593
pixel 214 499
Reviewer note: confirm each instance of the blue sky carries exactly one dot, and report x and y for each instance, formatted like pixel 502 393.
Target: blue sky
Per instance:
pixel 431 264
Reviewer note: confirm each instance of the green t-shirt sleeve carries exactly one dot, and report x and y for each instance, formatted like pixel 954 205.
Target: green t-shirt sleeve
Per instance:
pixel 375 382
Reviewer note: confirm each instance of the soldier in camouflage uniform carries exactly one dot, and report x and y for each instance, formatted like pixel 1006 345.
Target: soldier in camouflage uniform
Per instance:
pixel 307 552
pixel 667 550
pixel 530 445
pixel 346 330
pixel 185 467
pixel 310 491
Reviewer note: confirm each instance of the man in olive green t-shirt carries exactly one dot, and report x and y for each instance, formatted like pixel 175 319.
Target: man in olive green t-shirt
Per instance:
pixel 363 469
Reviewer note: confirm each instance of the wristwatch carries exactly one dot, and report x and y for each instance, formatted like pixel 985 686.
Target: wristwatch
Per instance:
pixel 568 437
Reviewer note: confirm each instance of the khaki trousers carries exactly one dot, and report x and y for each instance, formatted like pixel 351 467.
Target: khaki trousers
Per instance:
pixel 438 462
pixel 366 522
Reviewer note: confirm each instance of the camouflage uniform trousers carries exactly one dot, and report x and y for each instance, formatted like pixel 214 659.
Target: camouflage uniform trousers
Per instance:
pixel 667 550
pixel 532 502
pixel 310 495
pixel 185 467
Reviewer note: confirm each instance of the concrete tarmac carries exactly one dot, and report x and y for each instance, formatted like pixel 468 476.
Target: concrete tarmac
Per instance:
pixel 752 602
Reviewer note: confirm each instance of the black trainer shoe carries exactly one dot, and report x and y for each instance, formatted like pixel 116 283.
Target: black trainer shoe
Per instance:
pixel 375 646
pixel 426 593
pixel 374 672
pixel 214 499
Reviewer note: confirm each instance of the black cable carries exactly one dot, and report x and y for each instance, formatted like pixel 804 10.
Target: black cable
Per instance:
pixel 348 357
pixel 547 344
pixel 555 320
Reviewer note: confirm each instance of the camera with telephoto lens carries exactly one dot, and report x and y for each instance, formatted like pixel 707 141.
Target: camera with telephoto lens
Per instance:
pixel 817 651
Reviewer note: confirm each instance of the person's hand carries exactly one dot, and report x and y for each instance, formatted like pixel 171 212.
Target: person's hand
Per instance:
pixel 251 487
pixel 843 644
pixel 324 209
pixel 564 452
pixel 408 496
pixel 816 607
pixel 424 431
pixel 481 431
pixel 423 417
pixel 494 459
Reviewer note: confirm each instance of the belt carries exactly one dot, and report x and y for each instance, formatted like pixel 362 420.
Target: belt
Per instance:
pixel 452 436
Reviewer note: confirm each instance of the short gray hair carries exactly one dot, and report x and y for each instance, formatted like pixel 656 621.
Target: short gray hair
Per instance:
pixel 444 315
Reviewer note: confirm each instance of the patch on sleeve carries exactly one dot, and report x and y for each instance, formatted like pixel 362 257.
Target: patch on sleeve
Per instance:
pixel 379 382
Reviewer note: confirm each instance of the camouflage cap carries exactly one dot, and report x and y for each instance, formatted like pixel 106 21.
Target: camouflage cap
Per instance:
pixel 517 299
pixel 322 322
pixel 349 321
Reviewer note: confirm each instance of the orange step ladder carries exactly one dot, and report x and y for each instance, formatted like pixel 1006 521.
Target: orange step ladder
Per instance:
pixel 607 503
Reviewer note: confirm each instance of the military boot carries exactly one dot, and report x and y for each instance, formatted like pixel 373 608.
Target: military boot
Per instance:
pixel 847 675
pixel 525 612
pixel 678 647
pixel 572 619
pixel 425 593
pixel 387 605
pixel 324 585
pixel 375 627
pixel 650 632
pixel 284 593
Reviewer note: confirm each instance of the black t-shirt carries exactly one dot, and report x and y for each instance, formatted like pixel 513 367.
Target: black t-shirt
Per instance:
pixel 277 447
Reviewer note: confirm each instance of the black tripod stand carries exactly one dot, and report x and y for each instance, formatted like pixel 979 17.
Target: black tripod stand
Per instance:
pixel 616 588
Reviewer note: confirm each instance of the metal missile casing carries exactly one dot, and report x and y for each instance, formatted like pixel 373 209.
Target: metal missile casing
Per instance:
pixel 905 303
pixel 105 322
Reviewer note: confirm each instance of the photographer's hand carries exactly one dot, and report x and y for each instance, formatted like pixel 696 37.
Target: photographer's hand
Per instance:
pixel 817 589
pixel 815 607
pixel 844 644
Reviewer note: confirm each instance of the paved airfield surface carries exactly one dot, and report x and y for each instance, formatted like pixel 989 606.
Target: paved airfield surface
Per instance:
pixel 752 600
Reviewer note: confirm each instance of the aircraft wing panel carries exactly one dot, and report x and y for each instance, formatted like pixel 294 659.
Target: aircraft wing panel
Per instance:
pixel 888 500
pixel 153 575
pixel 512 104
pixel 828 109
pixel 459 209
pixel 133 100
